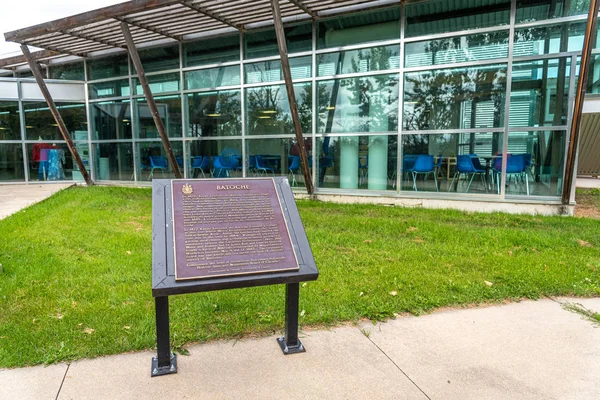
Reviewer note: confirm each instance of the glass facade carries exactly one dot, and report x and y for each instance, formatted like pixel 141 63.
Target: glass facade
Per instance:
pixel 430 98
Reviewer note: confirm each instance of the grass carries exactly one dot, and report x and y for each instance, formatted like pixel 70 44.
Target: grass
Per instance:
pixel 76 278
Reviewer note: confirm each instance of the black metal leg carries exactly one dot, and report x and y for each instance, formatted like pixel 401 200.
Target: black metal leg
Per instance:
pixel 166 362
pixel 290 344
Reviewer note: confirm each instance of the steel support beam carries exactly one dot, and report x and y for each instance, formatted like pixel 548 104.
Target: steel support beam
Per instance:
pixel 287 76
pixel 37 73
pixel 137 63
pixel 579 98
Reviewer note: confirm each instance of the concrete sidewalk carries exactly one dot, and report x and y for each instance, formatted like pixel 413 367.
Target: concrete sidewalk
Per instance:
pixel 16 197
pixel 526 350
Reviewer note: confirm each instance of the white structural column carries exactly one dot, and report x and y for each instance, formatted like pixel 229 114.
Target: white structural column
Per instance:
pixel 378 148
pixel 349 162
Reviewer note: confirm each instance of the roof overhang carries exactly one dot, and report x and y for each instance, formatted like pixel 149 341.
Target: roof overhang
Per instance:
pixel 152 22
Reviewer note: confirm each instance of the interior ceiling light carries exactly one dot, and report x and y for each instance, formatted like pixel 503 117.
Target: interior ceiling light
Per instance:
pixel 268 111
pixel 214 115
pixel 264 117
pixel 330 108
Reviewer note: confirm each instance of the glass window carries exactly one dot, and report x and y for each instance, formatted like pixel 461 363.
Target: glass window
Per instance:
pixel 159 83
pixel 215 158
pixel 210 51
pixel 11 162
pixel 72 71
pixel 268 109
pixel 216 113
pixel 483 46
pixel 26 73
pixel 114 161
pixel 458 162
pixel 154 162
pixel 101 90
pixel 549 39
pixel 40 123
pixel 270 71
pixel 362 60
pixel 364 104
pixel 359 28
pixel 111 120
pixel 459 98
pixel 213 77
pixel 169 109
pixel 264 43
pixel 10 124
pixel 535 163
pixel 357 162
pixel 528 10
pixel 160 58
pixel 53 161
pixel 540 92
pixel 108 67
pixel 593 83
pixel 276 157
pixel 439 16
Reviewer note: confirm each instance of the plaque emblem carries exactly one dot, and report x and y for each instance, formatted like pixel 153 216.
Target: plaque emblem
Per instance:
pixel 187 189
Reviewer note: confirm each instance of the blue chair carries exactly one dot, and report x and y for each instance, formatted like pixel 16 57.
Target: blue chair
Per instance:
pixel 363 169
pixel 294 168
pixel 201 164
pixel 220 168
pixel 157 162
pixel 464 165
pixel 261 167
pixel 252 165
pixel 423 165
pixel 516 167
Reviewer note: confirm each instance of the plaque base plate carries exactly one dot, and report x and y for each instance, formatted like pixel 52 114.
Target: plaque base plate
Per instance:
pixel 167 369
pixel 299 348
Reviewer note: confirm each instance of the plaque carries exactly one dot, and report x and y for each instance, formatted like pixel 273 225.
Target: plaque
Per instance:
pixel 229 227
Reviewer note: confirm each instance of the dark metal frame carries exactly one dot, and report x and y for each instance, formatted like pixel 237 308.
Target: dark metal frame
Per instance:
pixel 164 283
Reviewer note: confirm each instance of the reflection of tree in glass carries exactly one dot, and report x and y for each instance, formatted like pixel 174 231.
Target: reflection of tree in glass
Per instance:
pixel 375 98
pixel 268 109
pixel 438 99
pixel 215 114
pixel 466 48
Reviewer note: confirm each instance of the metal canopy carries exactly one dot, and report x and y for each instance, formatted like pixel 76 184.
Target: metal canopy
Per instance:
pixel 94 32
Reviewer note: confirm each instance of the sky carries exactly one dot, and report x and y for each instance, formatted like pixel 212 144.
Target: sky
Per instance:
pixel 25 13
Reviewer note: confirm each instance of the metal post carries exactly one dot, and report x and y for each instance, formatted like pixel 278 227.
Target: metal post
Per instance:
pixel 287 76
pixel 579 97
pixel 290 344
pixel 166 362
pixel 137 63
pixel 35 68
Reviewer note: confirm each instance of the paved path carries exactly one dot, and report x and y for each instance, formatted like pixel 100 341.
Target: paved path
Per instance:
pixel 526 350
pixel 15 197
pixel 587 182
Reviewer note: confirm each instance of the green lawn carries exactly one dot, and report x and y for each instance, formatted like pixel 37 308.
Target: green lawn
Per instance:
pixel 77 272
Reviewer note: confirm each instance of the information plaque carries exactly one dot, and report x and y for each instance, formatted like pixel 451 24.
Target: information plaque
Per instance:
pixel 229 227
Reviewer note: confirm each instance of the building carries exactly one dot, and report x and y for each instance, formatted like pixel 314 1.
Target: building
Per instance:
pixel 393 97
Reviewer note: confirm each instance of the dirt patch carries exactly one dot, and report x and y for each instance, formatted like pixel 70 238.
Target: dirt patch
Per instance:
pixel 588 203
